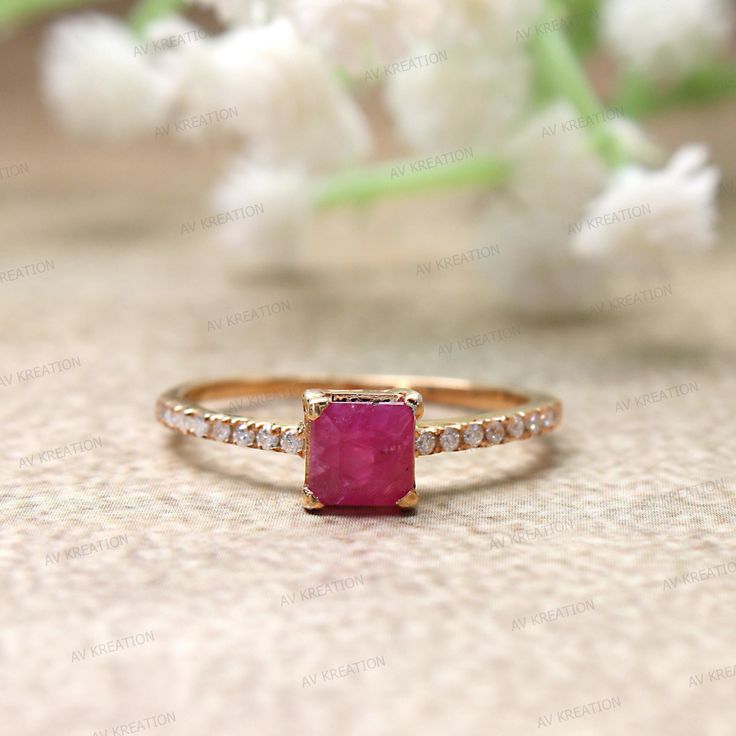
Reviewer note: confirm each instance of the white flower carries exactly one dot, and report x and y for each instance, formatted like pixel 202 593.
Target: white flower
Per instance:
pixel 672 208
pixel 553 177
pixel 288 103
pixel 667 39
pixel 474 97
pixel 475 21
pixel 357 33
pixel 634 142
pixel 95 83
pixel 270 211
pixel 170 34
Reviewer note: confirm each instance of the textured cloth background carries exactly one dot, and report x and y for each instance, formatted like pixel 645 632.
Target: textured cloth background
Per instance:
pixel 214 544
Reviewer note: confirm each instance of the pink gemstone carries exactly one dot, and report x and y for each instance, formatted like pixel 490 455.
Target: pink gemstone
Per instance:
pixel 361 454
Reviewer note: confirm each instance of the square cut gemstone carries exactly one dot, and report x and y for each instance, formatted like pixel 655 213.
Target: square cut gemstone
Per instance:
pixel 361 453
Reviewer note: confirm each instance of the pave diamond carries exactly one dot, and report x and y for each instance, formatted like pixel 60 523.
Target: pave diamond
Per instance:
pixel 450 439
pixel 425 443
pixel 495 432
pixel 220 431
pixel 243 435
pixel 291 442
pixel 534 422
pixel 197 425
pixel 473 435
pixel 548 417
pixel 267 438
pixel 515 427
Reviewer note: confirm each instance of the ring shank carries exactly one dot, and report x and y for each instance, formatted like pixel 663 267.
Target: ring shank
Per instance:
pixel 450 391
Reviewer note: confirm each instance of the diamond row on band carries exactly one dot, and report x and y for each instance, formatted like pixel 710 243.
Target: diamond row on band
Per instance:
pixel 488 432
pixel 232 430
pixel 495 430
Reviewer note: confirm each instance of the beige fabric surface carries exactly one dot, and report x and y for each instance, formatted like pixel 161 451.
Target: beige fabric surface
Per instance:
pixel 216 542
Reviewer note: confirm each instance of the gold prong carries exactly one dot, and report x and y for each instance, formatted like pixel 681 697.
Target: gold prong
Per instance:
pixel 310 502
pixel 414 400
pixel 315 402
pixel 409 501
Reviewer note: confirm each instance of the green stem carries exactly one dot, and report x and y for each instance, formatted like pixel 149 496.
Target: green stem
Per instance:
pixel 146 11
pixel 640 96
pixel 18 11
pixel 398 177
pixel 558 66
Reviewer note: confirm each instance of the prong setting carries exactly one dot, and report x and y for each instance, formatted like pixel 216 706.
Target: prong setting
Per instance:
pixel 310 502
pixel 315 402
pixel 414 400
pixel 409 501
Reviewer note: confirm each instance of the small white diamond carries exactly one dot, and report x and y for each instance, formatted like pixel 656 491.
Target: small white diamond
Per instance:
pixel 515 427
pixel 221 431
pixel 168 418
pixel 197 425
pixel 548 418
pixel 495 432
pixel 534 422
pixel 178 421
pixel 291 442
pixel 425 443
pixel 450 439
pixel 267 438
pixel 473 435
pixel 244 436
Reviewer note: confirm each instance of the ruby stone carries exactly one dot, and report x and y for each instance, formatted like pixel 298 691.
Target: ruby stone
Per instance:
pixel 361 454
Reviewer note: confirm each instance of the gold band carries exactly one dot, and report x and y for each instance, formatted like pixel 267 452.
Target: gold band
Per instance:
pixel 500 415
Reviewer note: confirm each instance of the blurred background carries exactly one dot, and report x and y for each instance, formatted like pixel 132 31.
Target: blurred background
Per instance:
pixel 528 193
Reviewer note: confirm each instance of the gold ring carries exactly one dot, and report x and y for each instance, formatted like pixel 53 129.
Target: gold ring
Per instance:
pixel 360 441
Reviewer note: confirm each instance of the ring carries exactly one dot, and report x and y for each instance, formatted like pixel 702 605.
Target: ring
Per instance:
pixel 359 442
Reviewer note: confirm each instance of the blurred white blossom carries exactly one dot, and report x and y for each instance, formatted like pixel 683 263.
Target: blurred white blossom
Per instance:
pixel 288 104
pixel 667 39
pixel 476 21
pixel 171 32
pixel 358 33
pixel 479 92
pixel 634 143
pixel 278 207
pixel 671 208
pixel 473 98
pixel 553 178
pixel 97 85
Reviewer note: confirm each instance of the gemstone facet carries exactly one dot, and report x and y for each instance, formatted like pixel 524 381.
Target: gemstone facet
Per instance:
pixel 534 422
pixel 495 432
pixel 361 453
pixel 291 442
pixel 548 418
pixel 267 438
pixel 515 427
pixel 243 435
pixel 220 431
pixel 473 435
pixel 450 439
pixel 425 443
pixel 197 425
